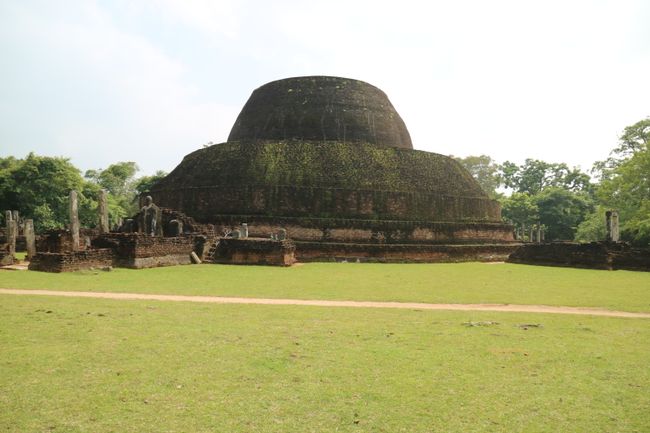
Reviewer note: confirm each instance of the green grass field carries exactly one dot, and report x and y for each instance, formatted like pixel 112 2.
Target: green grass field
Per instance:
pixel 82 365
pixel 96 365
pixel 445 283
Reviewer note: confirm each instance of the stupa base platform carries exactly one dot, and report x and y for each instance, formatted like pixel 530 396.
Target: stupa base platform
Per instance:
pixel 402 253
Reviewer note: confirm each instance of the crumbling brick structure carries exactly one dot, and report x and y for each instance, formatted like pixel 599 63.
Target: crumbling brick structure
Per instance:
pixel 593 255
pixel 330 160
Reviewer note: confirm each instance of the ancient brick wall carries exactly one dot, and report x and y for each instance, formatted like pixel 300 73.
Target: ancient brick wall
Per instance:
pixel 71 261
pixel 55 241
pixel 323 180
pixel 294 201
pixel 253 251
pixel 137 250
pixel 370 231
pixel 393 253
pixel 593 255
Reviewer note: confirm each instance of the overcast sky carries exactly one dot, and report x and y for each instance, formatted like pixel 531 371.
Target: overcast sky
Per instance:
pixel 152 80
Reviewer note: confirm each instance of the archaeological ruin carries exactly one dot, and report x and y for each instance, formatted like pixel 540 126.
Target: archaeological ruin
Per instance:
pixel 329 160
pixel 314 169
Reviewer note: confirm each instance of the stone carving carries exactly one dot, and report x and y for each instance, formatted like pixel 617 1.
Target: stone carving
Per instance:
pixel 128 226
pixel 30 239
pixel 282 234
pixel 102 209
pixel 613 233
pixel 74 220
pixel 149 218
pixel 175 228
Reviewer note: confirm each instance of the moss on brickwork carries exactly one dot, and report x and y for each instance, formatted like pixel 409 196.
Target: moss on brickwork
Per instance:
pixel 315 164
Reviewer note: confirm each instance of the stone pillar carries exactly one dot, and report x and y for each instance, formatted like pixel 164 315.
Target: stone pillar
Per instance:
pixel 74 220
pixel 102 209
pixel 16 218
pixel 611 217
pixel 11 236
pixel 531 233
pixel 539 233
pixel 10 232
pixel 244 230
pixel 30 238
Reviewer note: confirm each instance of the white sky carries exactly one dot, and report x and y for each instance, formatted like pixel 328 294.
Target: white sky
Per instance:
pixel 152 80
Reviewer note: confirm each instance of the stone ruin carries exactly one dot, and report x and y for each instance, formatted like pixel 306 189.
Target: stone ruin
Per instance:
pixel 330 161
pixel 610 254
pixel 154 237
pixel 17 235
pixel 314 169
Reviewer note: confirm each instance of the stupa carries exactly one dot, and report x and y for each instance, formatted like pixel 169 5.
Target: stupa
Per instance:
pixel 330 160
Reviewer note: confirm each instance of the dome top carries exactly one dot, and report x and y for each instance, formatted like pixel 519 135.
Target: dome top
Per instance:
pixel 322 109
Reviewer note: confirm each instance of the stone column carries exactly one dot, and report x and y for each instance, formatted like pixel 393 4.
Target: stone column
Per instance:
pixel 30 239
pixel 539 233
pixel 615 227
pixel 74 220
pixel 102 208
pixel 10 232
pixel 16 219
pixel 611 217
pixel 11 236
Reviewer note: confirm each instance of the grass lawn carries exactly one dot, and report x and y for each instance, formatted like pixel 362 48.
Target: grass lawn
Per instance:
pixel 91 365
pixel 453 283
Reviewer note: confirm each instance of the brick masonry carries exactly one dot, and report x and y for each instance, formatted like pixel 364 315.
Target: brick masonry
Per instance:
pixel 404 253
pixel 593 255
pixel 255 251
pixel 137 250
pixel 71 261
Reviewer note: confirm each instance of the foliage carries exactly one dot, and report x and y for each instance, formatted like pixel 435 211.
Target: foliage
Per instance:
pixel 145 183
pixel 625 182
pixel 118 180
pixel 561 211
pixel 520 209
pixel 534 176
pixel 592 228
pixel 39 187
pixel 486 172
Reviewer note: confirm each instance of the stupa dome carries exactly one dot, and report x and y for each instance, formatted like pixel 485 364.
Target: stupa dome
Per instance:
pixel 321 109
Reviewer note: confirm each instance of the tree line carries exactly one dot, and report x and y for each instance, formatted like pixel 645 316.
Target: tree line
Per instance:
pixel 567 202
pixel 39 186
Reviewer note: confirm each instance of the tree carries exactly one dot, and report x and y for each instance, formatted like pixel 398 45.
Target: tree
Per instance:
pixel 534 176
pixel 39 187
pixel 485 170
pixel 118 180
pixel 520 209
pixel 625 182
pixel 145 183
pixel 561 211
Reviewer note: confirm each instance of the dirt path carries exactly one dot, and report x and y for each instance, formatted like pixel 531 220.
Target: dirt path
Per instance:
pixel 318 303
